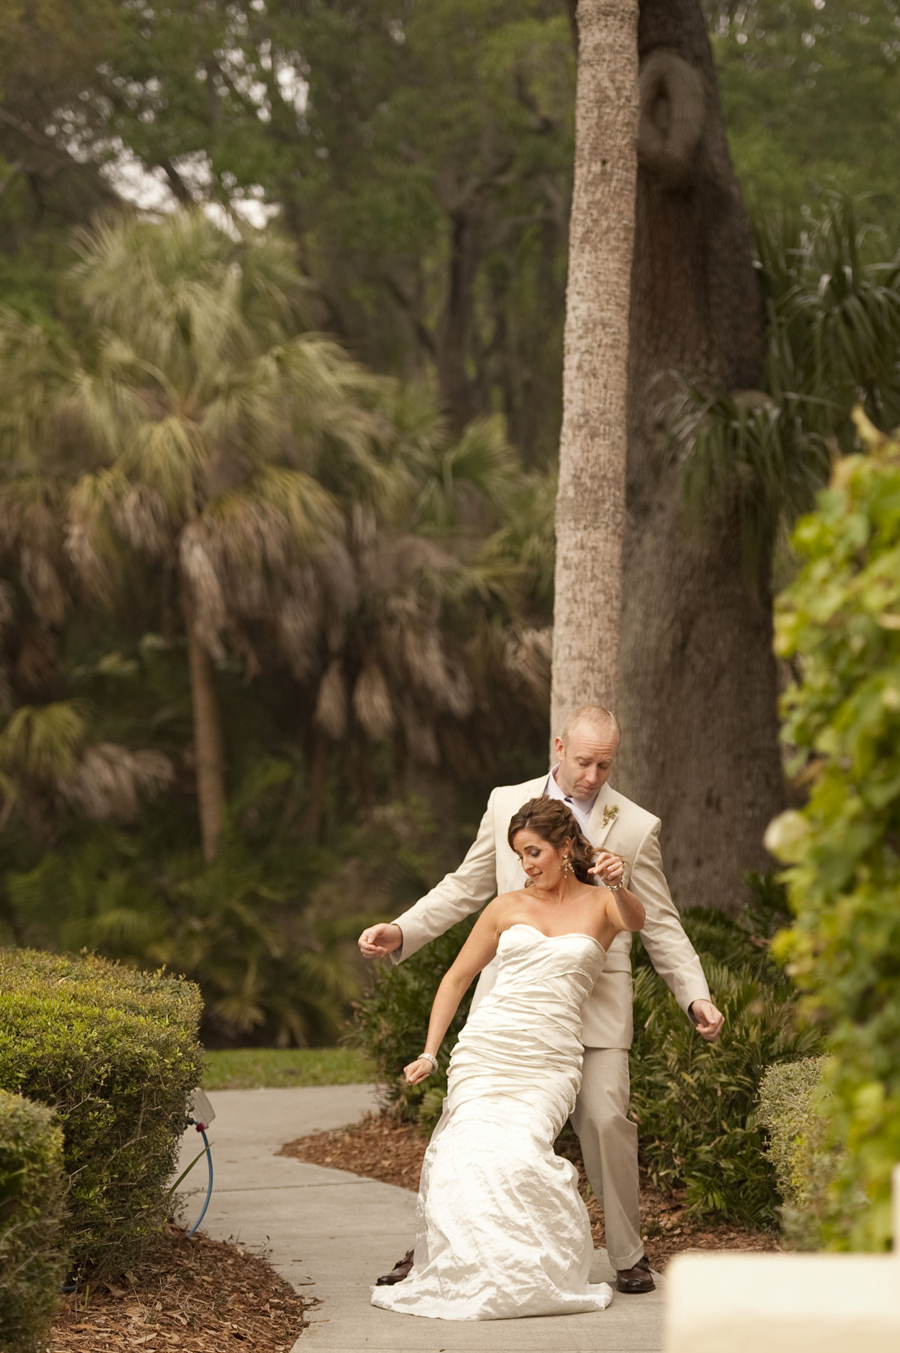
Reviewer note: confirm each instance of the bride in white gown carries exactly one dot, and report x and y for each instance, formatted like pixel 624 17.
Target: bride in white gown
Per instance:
pixel 501 1230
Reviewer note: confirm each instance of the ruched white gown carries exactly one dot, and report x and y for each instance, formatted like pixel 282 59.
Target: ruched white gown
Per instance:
pixel 501 1230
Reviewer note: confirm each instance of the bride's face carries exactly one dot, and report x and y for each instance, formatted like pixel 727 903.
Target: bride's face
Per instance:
pixel 541 861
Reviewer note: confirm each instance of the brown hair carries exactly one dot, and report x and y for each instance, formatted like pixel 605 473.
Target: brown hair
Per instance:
pixel 552 821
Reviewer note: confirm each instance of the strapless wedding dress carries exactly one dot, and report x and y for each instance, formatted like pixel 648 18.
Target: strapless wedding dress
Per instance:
pixel 501 1230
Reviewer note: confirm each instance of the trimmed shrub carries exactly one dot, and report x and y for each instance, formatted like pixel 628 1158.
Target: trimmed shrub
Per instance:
pixel 115 1052
pixel 32 1255
pixel 839 625
pixel 791 1110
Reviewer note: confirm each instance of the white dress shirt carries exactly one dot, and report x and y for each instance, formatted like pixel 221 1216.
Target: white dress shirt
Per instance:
pixel 581 808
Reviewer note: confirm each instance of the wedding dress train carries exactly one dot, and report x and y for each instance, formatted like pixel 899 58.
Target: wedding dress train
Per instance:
pixel 501 1230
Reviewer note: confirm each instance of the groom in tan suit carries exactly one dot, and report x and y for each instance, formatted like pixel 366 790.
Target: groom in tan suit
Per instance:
pixel 628 838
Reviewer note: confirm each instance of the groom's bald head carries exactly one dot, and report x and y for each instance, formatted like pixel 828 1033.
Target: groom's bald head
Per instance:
pixel 595 717
pixel 586 749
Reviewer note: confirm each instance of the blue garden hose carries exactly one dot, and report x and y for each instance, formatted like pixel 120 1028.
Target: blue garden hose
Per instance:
pixel 209 1190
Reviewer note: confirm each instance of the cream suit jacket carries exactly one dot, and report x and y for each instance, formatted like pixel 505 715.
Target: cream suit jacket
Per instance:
pixel 491 867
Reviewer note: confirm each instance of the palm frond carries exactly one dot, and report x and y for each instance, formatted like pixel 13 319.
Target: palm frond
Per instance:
pixel 43 741
pixel 832 289
pixel 331 702
pixel 372 701
pixel 111 780
pixel 168 454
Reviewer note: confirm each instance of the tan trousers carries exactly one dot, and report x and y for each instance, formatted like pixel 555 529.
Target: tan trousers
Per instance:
pixel 609 1147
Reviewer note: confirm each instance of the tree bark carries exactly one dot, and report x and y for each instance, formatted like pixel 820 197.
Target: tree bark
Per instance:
pixel 590 509
pixel 698 688
pixel 456 388
pixel 209 746
pixel 316 776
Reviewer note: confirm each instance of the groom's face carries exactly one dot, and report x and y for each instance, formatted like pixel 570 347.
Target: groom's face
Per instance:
pixel 586 759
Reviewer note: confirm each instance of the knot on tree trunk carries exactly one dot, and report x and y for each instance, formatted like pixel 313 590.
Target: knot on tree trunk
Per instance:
pixel 673 113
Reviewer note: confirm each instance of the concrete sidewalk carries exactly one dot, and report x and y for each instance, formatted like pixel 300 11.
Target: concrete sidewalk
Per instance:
pixel 329 1233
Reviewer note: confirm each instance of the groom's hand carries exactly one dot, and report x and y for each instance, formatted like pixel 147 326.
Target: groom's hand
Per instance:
pixel 380 940
pixel 707 1019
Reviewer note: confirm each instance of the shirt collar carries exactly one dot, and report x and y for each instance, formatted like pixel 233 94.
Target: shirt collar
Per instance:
pixel 581 807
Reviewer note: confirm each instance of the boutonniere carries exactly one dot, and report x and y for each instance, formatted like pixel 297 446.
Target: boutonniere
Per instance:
pixel 610 813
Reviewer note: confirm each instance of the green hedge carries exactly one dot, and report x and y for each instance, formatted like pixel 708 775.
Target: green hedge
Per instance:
pixel 32 1253
pixel 838 624
pixel 115 1052
pixel 793 1112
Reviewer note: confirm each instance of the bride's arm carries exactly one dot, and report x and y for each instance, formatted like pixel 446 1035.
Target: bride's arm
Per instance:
pixel 624 910
pixel 476 953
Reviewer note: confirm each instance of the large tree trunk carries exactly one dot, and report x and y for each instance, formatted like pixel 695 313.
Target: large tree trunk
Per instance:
pixel 209 747
pixel 590 509
pixel 698 683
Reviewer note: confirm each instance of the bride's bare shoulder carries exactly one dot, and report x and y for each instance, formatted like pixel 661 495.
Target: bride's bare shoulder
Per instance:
pixel 506 900
pixel 504 906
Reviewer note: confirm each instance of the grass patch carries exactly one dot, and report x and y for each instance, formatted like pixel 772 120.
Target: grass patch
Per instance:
pixel 256 1068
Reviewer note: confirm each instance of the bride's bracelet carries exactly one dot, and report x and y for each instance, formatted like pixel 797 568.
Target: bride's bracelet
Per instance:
pixel 427 1057
pixel 615 887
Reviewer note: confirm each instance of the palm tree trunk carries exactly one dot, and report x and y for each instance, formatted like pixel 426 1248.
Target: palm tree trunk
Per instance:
pixel 208 742
pixel 590 510
pixel 316 776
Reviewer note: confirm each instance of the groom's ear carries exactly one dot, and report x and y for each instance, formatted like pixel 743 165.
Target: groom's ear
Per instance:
pixel 558 748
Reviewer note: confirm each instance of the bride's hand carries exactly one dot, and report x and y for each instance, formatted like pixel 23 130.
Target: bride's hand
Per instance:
pixel 417 1070
pixel 609 867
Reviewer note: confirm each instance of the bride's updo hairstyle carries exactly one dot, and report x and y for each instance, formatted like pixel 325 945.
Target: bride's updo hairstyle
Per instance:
pixel 552 821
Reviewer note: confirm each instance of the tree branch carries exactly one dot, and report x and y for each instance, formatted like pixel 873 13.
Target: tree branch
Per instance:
pixel 422 333
pixel 177 183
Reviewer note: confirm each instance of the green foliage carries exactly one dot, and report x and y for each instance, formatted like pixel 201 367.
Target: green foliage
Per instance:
pixel 832 287
pixel 368 590
pixel 810 94
pixel 115 1053
pixel 374 131
pixel 32 1256
pixel 805 1165
pixel 838 625
pixel 267 931
pixel 695 1102
pixel 254 1068
pixel 392 1021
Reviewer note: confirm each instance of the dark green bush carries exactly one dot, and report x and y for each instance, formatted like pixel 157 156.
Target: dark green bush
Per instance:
pixel 392 1020
pixel 695 1102
pixel 792 1105
pixel 115 1052
pixel 32 1253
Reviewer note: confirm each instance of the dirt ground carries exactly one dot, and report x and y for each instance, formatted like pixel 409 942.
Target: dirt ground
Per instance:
pixel 383 1148
pixel 196 1295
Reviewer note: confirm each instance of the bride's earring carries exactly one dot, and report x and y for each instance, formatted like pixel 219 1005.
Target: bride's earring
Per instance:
pixel 567 865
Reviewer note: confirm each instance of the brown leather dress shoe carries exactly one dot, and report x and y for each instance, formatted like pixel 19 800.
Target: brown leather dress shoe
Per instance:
pixel 636 1279
pixel 397 1273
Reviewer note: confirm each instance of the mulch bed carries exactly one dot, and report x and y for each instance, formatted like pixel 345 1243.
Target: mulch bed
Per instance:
pixel 382 1147
pixel 197 1295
